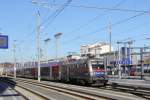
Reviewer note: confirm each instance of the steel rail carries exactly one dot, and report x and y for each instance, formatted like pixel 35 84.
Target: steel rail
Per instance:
pixel 13 84
pixel 76 93
pixel 27 89
pixel 69 90
pixel 139 91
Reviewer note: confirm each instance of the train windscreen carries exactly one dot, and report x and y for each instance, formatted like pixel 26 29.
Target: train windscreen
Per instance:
pixel 98 68
pixel 97 65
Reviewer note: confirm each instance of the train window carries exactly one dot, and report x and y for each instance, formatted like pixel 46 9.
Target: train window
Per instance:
pixel 80 65
pixel 74 66
pixel 71 65
pixel 138 69
pixel 97 66
pixel 85 64
pixel 77 66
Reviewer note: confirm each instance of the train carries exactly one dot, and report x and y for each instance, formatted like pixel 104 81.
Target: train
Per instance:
pixel 147 72
pixel 136 70
pixel 85 71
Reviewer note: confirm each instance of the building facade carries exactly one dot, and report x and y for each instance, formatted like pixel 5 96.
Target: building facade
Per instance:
pixel 94 49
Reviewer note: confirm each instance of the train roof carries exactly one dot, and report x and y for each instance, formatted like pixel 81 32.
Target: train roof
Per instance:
pixel 51 63
pixel 43 64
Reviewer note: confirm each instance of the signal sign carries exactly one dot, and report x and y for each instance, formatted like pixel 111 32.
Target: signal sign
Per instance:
pixel 124 61
pixel 3 42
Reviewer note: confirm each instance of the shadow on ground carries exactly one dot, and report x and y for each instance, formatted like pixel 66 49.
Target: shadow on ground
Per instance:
pixel 5 84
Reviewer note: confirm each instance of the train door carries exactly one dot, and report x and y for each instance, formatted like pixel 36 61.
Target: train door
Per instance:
pixel 55 72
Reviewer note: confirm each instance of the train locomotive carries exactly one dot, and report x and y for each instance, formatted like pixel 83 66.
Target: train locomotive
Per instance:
pixel 84 71
pixel 77 71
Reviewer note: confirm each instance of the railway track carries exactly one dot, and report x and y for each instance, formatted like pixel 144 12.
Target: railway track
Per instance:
pixel 29 94
pixel 142 92
pixel 73 93
pixel 8 92
pixel 80 92
pixel 26 93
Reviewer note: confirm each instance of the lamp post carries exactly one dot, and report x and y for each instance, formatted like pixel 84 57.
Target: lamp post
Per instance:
pixel 142 62
pixel 38 41
pixel 119 67
pixel 38 46
pixel 46 50
pixel 14 52
pixel 57 36
pixel 110 33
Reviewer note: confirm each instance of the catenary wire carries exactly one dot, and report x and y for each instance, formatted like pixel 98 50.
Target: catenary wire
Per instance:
pixel 105 27
pixel 96 17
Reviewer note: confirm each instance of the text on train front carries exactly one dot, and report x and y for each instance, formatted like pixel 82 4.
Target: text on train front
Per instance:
pixel 98 69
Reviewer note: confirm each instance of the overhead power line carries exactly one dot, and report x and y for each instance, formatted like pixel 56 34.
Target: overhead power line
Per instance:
pixel 96 17
pixel 105 8
pixel 105 27
pixel 119 3
pixel 52 17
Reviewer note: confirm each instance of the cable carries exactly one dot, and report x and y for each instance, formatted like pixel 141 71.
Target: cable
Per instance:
pixel 95 18
pixel 67 4
pixel 103 8
pixel 119 3
pixel 55 14
pixel 119 22
pixel 103 28
pixel 52 17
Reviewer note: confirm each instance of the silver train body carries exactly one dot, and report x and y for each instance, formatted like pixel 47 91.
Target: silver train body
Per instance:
pixel 78 71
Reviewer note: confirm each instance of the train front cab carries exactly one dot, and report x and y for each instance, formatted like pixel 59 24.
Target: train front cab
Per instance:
pixel 75 72
pixel 97 73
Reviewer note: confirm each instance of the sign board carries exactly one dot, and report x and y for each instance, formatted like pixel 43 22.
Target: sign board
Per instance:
pixel 3 42
pixel 123 61
pixel 125 52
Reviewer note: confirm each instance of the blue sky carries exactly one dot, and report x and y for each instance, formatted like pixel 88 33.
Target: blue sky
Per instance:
pixel 79 25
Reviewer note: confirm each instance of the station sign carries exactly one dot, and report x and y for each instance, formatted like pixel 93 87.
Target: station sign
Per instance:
pixel 123 62
pixel 3 42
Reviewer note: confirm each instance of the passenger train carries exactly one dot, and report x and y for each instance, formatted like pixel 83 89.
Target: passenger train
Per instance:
pixel 85 71
pixel 147 72
pixel 137 71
